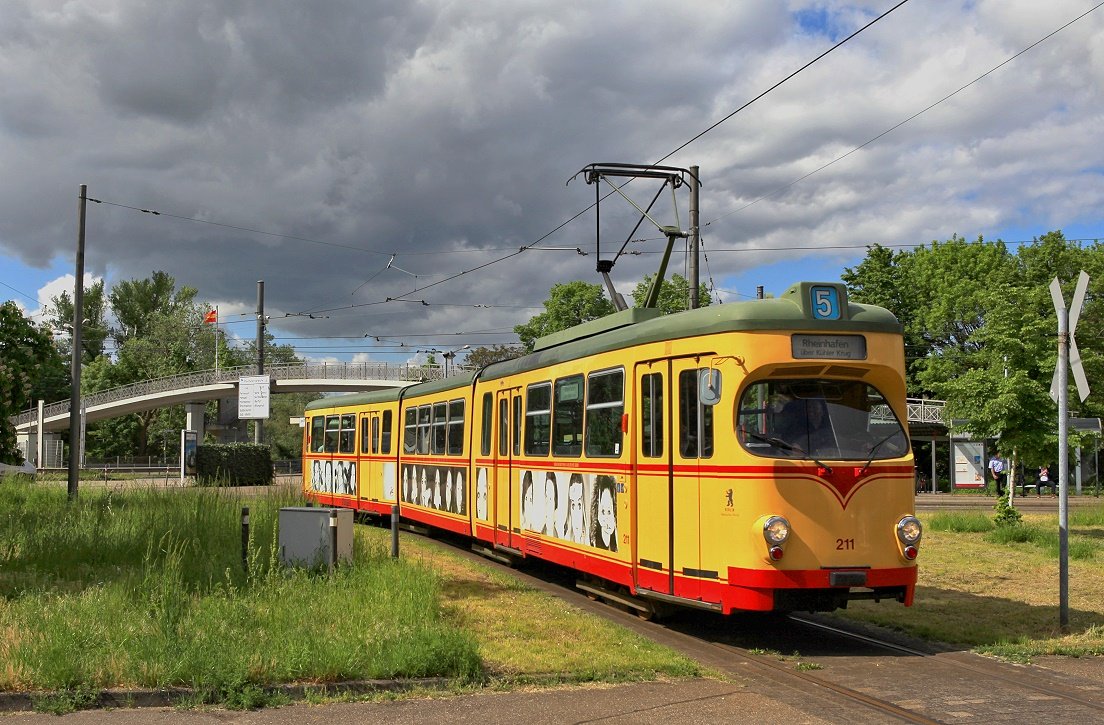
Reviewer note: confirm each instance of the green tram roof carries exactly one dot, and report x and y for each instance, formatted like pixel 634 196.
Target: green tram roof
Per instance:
pixel 463 380
pixel 635 326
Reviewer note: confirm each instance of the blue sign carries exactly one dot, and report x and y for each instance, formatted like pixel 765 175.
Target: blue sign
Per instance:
pixel 825 302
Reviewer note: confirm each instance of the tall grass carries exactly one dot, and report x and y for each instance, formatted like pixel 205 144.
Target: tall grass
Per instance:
pixel 147 588
pixel 961 522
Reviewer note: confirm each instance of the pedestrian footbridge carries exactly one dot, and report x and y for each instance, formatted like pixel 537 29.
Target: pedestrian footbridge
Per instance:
pixel 924 416
pixel 200 387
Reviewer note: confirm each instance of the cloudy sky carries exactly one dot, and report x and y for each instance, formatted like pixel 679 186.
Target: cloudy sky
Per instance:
pixel 352 152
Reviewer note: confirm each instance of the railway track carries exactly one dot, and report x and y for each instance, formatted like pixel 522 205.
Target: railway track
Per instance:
pixel 835 672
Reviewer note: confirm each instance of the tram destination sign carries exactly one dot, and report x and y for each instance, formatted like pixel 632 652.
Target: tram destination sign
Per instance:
pixel 828 347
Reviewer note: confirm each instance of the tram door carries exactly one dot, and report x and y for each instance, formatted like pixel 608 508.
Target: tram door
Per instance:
pixel 501 500
pixel 668 451
pixel 364 474
pixel 378 480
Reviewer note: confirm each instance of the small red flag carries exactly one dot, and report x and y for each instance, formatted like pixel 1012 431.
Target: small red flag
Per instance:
pixel 211 316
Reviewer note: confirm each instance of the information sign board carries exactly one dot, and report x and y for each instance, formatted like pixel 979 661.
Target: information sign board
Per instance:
pixel 253 395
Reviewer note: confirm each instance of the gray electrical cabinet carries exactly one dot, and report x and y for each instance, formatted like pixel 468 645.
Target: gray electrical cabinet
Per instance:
pixel 307 536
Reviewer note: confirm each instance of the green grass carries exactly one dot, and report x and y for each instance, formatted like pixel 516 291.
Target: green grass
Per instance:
pixel 995 589
pixel 147 588
pixel 960 522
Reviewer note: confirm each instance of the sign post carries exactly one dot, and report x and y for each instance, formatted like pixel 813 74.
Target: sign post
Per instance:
pixel 1068 357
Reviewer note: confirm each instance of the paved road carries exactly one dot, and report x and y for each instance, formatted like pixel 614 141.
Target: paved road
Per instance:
pixel 662 703
pixel 1028 504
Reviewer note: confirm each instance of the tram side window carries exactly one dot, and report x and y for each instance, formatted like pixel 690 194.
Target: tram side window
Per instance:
pixel 365 434
pixel 375 434
pixel 538 419
pixel 503 427
pixel 385 439
pixel 348 433
pixel 425 418
pixel 455 434
pixel 567 417
pixel 318 433
pixel 517 425
pixel 485 421
pixel 694 443
pixel 651 415
pixel 604 410
pixel 410 431
pixel 440 423
pixel 333 426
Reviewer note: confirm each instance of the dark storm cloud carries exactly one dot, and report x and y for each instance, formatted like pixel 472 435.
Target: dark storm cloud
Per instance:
pixel 444 133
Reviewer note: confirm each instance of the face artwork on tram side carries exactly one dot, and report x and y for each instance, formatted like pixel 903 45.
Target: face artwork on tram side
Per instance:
pixel 334 477
pixel 389 481
pixel 481 494
pixel 577 507
pixel 436 487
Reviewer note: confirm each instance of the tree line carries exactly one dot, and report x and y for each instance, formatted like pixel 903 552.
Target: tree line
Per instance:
pixel 154 329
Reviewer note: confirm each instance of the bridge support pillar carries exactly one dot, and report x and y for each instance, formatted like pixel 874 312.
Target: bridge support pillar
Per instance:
pixel 193 413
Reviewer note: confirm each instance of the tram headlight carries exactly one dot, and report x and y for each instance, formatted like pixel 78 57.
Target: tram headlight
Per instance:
pixel 909 531
pixel 776 530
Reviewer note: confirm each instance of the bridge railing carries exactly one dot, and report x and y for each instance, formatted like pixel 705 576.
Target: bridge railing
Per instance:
pixel 289 371
pixel 922 410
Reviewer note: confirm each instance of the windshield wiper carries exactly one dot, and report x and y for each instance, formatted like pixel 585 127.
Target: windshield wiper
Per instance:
pixel 783 445
pixel 875 448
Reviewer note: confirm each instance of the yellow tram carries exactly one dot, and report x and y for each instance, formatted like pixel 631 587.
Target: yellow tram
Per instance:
pixel 746 456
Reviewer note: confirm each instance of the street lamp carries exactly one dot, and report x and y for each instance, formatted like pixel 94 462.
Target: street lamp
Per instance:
pixel 450 355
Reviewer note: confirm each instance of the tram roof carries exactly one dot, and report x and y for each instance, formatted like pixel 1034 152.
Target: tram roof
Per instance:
pixel 463 380
pixel 791 311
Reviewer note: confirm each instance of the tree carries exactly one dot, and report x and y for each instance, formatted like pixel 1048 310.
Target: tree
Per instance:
pixel 882 279
pixel 24 351
pixel 162 333
pixel 568 304
pixel 285 438
pixel 980 330
pixel 94 330
pixel 674 294
pixel 483 356
pixel 136 303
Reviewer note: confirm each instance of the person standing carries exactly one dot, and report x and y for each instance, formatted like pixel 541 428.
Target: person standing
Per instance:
pixel 997 470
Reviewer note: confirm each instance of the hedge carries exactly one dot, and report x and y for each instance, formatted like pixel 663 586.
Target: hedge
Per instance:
pixel 234 464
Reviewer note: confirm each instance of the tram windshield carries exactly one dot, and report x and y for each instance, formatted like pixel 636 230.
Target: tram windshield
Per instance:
pixel 819 419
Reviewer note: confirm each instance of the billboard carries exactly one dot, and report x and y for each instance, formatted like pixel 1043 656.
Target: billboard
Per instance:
pixel 189 441
pixel 970 466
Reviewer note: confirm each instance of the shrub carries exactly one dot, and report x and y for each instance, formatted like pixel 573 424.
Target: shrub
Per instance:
pixel 234 464
pixel 1006 515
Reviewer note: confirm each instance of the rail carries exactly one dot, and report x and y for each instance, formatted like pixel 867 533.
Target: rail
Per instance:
pixel 292 371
